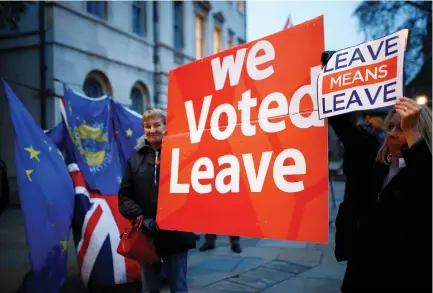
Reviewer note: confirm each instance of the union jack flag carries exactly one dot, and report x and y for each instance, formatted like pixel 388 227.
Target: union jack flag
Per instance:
pixel 97 225
pixel 97 222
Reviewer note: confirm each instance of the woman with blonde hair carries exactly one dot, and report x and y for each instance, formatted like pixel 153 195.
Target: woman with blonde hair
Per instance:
pixel 392 251
pixel 138 198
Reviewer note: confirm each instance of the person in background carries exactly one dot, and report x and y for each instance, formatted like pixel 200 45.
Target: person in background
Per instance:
pixel 210 240
pixel 138 197
pixel 392 251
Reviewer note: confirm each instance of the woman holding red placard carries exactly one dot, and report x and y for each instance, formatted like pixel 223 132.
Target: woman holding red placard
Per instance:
pixel 138 197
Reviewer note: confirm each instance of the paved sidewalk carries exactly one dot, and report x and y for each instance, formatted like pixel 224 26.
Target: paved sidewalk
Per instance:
pixel 267 266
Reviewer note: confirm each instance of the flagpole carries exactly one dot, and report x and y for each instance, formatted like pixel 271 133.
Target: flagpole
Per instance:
pixel 288 23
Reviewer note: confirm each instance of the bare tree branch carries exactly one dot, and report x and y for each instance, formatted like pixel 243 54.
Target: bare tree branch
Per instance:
pixel 419 6
pixel 379 18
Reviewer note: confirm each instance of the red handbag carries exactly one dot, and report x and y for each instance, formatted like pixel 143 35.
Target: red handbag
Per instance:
pixel 136 245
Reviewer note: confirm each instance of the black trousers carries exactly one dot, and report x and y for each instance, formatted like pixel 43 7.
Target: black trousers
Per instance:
pixel 211 238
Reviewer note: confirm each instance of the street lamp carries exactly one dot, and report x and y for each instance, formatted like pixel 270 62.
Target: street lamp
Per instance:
pixel 421 100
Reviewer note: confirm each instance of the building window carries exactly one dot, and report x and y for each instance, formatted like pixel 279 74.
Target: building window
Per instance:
pixel 216 40
pixel 93 88
pixel 97 8
pixel 139 17
pixel 230 39
pixel 139 98
pixel 199 36
pixel 241 6
pixel 96 85
pixel 136 100
pixel 178 24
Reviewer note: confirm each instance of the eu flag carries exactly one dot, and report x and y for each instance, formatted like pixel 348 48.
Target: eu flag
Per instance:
pixel 47 198
pixel 128 128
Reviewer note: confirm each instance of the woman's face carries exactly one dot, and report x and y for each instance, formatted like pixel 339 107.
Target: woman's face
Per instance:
pixel 395 138
pixel 154 129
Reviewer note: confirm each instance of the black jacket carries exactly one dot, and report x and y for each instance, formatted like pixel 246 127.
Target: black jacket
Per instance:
pixel 360 151
pixel 138 195
pixel 394 239
pixel 360 148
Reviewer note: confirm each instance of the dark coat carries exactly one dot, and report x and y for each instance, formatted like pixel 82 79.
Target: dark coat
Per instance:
pixel 360 151
pixel 138 195
pixel 360 148
pixel 394 238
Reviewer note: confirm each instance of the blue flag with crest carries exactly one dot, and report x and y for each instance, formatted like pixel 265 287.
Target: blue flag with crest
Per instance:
pixel 47 198
pixel 95 150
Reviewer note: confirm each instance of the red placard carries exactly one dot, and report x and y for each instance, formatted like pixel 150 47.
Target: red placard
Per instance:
pixel 246 153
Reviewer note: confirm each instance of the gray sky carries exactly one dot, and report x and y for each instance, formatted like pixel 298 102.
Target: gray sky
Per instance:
pixel 268 17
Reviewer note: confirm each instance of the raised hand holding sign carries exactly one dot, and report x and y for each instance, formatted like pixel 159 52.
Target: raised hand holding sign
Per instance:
pixel 363 77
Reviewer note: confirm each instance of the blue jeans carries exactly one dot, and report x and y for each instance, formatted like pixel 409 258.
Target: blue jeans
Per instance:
pixel 175 267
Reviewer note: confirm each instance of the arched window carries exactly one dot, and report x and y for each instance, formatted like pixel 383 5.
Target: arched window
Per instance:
pixel 139 98
pixel 96 85
pixel 92 88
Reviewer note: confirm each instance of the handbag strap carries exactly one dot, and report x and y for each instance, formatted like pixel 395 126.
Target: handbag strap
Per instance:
pixel 139 223
pixel 137 226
